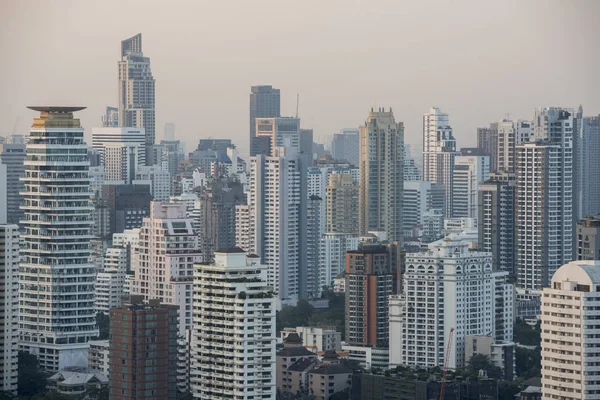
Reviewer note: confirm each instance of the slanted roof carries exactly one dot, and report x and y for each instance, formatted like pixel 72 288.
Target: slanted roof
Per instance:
pixel 296 352
pixel 302 364
pixel 331 369
pixel 293 338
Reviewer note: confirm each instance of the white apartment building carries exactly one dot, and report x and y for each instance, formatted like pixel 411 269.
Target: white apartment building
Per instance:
pixel 3 193
pixel 98 356
pixel 164 260
pixel 545 204
pixel 158 179
pixel 233 339
pixel 439 151
pixel 56 272
pixel 316 339
pixel 111 280
pixel 381 177
pixel 448 286
pixel 332 255
pixel 469 172
pixel 511 134
pixel 570 332
pixel 119 138
pixel 243 237
pixel 274 218
pixel 121 162
pixel 9 307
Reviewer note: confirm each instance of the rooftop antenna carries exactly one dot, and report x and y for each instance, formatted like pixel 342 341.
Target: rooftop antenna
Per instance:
pixel 15 125
pixel 297 103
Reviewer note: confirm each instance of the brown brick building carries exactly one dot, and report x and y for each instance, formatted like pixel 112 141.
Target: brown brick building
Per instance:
pixel 143 351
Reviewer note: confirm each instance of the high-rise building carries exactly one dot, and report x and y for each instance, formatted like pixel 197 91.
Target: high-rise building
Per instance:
pixel 56 272
pixel 157 178
pixel 332 256
pixel 265 102
pixel 121 151
pixel 143 350
pixel 341 196
pixel 218 145
pixel 569 315
pixel 381 178
pixel 439 152
pixel 280 132
pixel 590 172
pixel 110 281
pixel 545 191
pixel 419 197
pixel 469 172
pixel 172 155
pixel 369 284
pixel 110 119
pixel 136 91
pixel 588 239
pixel 127 205
pixel 487 141
pixel 313 235
pixel 233 339
pixel 306 143
pixel 167 275
pixel 274 219
pixel 217 218
pixel 169 132
pixel 510 134
pixel 3 193
pixel 449 286
pixel 12 155
pixel 345 146
pixel 411 171
pixel 9 307
pixel 496 220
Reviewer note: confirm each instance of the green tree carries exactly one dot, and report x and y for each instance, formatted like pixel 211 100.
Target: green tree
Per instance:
pixel 527 335
pixel 527 362
pixel 4 395
pixel 482 362
pixel 31 380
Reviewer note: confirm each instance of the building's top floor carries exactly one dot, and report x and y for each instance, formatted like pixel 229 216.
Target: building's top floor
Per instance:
pixel 56 117
pixel 590 222
pixel 578 276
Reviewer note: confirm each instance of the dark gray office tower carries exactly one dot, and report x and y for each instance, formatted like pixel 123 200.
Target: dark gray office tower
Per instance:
pixel 218 145
pixel 13 156
pixel 217 215
pixel 496 220
pixel 344 146
pixel 128 205
pixel 264 103
pixel 306 143
pixel 487 140
pixel 590 167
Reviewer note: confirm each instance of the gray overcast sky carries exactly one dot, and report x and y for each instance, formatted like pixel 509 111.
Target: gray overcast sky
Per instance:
pixel 476 60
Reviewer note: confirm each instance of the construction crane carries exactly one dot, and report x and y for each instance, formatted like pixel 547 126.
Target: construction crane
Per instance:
pixel 448 349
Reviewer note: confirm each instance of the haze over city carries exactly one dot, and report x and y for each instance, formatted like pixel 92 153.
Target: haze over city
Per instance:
pixel 475 60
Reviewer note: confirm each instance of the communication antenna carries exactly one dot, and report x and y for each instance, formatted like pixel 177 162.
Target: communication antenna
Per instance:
pixel 15 126
pixel 297 103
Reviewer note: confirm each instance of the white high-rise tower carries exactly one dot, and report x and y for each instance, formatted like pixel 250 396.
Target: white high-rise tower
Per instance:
pixel 57 315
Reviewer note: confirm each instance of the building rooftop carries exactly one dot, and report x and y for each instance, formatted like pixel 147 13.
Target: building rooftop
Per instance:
pixel 230 250
pixel 302 364
pixel 295 352
pixel 56 109
pixel 331 369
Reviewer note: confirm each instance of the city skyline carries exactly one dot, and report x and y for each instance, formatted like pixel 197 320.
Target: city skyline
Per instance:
pixel 219 88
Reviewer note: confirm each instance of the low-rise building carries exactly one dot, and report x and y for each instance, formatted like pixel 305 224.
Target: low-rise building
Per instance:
pixel 98 356
pixel 75 381
pixel 316 339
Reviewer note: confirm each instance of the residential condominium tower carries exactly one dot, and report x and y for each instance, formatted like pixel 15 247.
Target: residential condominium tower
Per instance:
pixel 57 272
pixel 233 339
pixel 439 152
pixel 381 178
pixel 136 91
pixel 12 155
pixel 9 307
pixel 545 191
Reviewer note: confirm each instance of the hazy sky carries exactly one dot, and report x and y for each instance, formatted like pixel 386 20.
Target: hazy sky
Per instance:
pixel 476 60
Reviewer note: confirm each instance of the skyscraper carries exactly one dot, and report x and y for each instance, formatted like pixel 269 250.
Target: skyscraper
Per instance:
pixel 419 197
pixel 110 119
pixel 274 219
pixel 344 146
pixel 369 283
pixel 143 350
pixel 588 239
pixel 264 103
pixel 12 155
pixel 469 172
pixel 56 272
pixel 9 306
pixel 487 141
pixel 545 191
pixel 136 91
pixel 569 306
pixel 590 172
pixel 127 150
pixel 169 132
pixel 311 288
pixel 167 276
pixel 280 132
pixel 496 220
pixel 381 177
pixel 233 339
pixel 341 204
pixel 439 151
